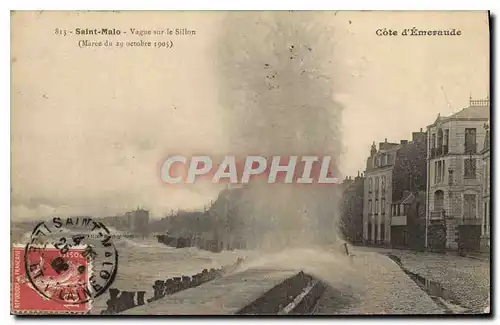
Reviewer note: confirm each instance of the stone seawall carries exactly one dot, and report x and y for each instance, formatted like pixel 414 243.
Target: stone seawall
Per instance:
pixel 295 295
pixel 123 300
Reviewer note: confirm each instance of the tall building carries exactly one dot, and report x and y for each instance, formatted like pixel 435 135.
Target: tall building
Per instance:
pixel 409 177
pixel 485 192
pixel 454 184
pixel 377 192
pixel 390 171
pixel 352 209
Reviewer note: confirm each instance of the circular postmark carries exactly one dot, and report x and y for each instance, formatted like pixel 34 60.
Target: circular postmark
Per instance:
pixel 72 260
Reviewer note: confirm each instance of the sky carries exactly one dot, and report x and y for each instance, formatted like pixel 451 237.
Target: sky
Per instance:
pixel 91 126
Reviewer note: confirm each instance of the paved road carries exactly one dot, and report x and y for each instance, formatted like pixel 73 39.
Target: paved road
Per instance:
pixel 468 279
pixel 376 286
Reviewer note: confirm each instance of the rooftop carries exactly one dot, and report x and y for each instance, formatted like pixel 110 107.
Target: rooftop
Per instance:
pixel 478 109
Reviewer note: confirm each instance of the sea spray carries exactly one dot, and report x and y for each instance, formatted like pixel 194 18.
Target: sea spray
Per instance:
pixel 276 89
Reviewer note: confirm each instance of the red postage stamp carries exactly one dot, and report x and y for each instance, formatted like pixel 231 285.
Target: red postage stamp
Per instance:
pixel 46 281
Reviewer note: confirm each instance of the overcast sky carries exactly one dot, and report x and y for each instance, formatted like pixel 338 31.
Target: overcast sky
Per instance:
pixel 90 127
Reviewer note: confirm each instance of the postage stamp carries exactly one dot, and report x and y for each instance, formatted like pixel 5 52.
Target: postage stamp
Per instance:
pixel 65 265
pixel 48 281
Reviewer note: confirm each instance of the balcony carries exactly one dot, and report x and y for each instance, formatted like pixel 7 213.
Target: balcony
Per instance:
pixel 470 148
pixel 470 222
pixel 439 151
pixel 437 215
pixel 398 221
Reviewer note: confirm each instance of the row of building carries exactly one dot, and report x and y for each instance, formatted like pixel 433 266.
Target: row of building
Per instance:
pixel 133 222
pixel 432 192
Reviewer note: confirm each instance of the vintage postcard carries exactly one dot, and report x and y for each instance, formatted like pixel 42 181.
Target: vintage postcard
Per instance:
pixel 250 163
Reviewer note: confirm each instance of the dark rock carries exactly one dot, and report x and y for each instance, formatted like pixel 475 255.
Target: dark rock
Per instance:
pixel 159 290
pixel 119 303
pixel 140 297
pixel 186 282
pixel 169 287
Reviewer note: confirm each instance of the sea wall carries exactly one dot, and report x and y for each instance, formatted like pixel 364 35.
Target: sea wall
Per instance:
pixel 122 300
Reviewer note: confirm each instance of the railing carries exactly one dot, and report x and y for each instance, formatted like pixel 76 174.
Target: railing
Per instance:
pixel 398 220
pixel 479 102
pixel 470 148
pixel 470 222
pixel 439 151
pixel 439 214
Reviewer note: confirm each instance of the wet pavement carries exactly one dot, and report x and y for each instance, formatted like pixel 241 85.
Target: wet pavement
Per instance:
pixel 381 287
pixel 465 281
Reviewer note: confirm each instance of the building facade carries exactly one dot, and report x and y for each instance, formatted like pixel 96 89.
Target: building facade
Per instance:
pixel 390 171
pixel 378 193
pixel 409 177
pixel 408 221
pixel 485 192
pixel 352 209
pixel 454 182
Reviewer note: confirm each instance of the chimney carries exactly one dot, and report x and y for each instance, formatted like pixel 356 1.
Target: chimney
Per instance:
pixel 385 140
pixel 358 173
pixel 420 130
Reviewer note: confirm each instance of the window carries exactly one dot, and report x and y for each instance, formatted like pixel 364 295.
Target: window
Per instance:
pixel 440 141
pixel 443 171
pixel 370 185
pixel 485 216
pixel 470 168
pixel 486 175
pixel 383 184
pixel 376 206
pixel 370 206
pixel 386 159
pixel 446 141
pixel 433 140
pixel 470 141
pixel 469 206
pixel 435 172
pixel 439 171
pixel 383 206
pixel 438 200
pixel 377 184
